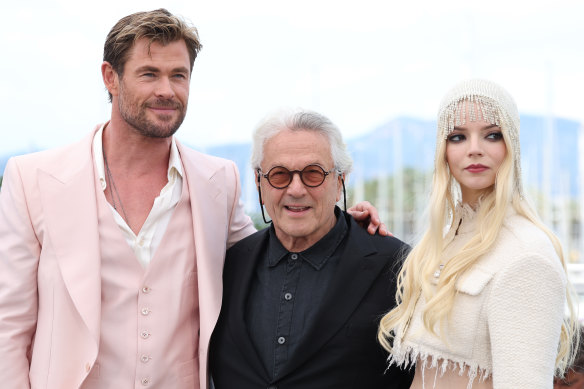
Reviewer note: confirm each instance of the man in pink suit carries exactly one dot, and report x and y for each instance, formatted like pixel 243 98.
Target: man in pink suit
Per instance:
pixel 111 249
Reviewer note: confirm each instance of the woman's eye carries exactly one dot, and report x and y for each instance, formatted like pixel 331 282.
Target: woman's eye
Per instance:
pixel 498 135
pixel 456 138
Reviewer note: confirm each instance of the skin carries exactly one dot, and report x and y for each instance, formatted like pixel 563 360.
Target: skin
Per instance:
pixel 154 88
pixel 451 379
pixel 149 102
pixel 301 215
pixel 474 152
pixel 573 380
pixel 367 217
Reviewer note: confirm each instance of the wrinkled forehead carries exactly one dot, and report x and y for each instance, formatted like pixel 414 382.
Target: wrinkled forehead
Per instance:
pixel 295 149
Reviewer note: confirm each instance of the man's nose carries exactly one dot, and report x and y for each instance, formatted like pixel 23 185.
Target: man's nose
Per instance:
pixel 164 88
pixel 296 185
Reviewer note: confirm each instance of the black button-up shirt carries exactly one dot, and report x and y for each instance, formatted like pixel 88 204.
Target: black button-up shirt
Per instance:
pixel 287 292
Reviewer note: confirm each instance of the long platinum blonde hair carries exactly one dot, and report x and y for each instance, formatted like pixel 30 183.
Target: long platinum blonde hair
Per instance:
pixel 469 100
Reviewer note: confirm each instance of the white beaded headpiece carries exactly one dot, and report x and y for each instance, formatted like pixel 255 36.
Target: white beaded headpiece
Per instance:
pixel 488 101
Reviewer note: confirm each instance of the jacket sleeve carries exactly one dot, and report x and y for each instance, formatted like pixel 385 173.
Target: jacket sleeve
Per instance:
pixel 525 313
pixel 240 225
pixel 19 256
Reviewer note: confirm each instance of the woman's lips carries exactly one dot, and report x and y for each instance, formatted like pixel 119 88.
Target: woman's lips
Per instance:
pixel 476 168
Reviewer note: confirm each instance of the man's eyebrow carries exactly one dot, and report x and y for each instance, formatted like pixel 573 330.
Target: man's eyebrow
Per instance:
pixel 153 69
pixel 147 68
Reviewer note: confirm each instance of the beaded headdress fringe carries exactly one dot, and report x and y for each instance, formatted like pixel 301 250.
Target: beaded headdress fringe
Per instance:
pixel 487 101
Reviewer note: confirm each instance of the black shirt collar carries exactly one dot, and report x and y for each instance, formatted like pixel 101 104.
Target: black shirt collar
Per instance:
pixel 317 254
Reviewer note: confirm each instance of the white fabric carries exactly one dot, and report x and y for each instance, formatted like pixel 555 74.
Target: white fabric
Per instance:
pixel 506 317
pixel 148 239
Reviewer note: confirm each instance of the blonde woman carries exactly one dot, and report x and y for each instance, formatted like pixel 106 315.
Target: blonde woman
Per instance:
pixel 481 298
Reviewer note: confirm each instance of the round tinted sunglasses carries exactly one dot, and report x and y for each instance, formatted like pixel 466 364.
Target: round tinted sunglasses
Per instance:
pixel 279 177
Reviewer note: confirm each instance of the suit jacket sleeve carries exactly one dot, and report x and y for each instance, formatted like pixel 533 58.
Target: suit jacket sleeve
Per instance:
pixel 240 225
pixel 19 257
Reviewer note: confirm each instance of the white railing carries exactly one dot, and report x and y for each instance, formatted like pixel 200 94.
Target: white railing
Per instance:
pixel 576 275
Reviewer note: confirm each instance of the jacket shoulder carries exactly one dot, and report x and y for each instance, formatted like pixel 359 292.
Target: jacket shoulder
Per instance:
pixel 518 241
pixel 248 243
pixel 384 245
pixel 203 160
pixel 61 161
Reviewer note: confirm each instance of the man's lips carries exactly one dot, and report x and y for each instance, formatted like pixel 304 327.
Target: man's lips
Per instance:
pixel 476 168
pixel 164 106
pixel 163 109
pixel 296 208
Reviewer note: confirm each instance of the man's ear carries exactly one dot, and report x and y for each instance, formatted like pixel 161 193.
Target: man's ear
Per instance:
pixel 340 180
pixel 111 78
pixel 257 180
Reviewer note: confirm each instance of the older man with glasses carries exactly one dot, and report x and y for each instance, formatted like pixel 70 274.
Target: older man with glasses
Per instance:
pixel 302 298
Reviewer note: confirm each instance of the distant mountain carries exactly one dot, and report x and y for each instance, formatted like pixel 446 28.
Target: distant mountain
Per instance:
pixel 549 148
pixel 410 142
pixel 3 160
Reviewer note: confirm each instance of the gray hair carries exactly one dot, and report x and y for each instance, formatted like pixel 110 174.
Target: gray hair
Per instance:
pixel 296 120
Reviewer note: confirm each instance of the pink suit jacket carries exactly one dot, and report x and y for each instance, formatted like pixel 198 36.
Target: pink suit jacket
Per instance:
pixel 50 284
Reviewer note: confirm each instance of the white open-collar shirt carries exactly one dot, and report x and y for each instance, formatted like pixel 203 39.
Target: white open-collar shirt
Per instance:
pixel 148 239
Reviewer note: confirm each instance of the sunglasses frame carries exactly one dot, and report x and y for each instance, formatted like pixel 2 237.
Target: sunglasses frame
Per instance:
pixel 291 175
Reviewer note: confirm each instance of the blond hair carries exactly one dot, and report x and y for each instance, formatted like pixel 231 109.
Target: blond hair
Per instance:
pixel 418 268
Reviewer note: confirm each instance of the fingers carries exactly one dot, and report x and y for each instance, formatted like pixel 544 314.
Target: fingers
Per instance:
pixel 358 215
pixel 384 231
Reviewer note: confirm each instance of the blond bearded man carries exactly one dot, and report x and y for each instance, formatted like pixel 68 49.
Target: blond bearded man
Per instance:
pixel 111 249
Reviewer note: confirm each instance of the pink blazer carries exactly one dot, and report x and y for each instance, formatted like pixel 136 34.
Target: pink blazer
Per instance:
pixel 50 284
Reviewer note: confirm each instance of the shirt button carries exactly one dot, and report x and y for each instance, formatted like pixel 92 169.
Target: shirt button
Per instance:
pixel 145 334
pixel 146 289
pixel 281 340
pixel 145 381
pixel 294 256
pixel 145 311
pixel 144 358
pixel 288 296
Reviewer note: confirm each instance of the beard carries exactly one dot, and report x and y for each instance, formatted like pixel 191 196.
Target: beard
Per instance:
pixel 135 114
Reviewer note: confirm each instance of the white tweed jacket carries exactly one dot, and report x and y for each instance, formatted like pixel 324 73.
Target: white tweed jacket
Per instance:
pixel 507 315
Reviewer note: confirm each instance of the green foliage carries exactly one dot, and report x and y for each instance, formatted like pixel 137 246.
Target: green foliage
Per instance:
pixel 1 177
pixel 415 184
pixel 257 220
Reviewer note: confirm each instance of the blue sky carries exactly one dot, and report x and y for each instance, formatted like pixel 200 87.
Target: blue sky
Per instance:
pixel 361 63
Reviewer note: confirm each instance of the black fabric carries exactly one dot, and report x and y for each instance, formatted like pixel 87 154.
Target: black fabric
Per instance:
pixel 286 293
pixel 339 348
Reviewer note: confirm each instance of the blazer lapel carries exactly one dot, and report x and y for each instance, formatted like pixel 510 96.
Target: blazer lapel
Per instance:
pixel 238 284
pixel 207 187
pixel 69 201
pixel 358 268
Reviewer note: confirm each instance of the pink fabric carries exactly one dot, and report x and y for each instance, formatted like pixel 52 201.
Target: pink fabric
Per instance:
pixel 149 317
pixel 50 266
